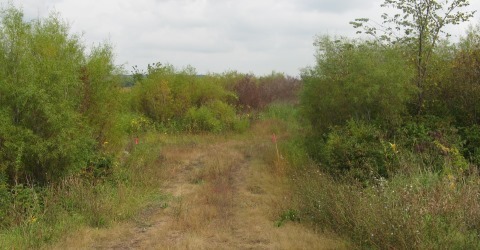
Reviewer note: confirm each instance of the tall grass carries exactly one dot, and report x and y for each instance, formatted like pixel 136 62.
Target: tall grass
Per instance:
pixel 43 215
pixel 417 208
pixel 421 211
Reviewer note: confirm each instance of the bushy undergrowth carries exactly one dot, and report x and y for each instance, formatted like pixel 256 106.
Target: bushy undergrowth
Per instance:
pixel 380 170
pixel 216 117
pixel 358 149
pixel 192 103
pixel 211 103
pixel 421 211
pixel 414 207
pixel 93 198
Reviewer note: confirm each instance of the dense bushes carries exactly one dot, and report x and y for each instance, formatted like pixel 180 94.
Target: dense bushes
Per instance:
pixel 42 134
pixel 58 104
pixel 411 173
pixel 207 103
pixel 356 90
pixel 215 116
pixel 61 108
pixel 462 77
pixel 355 80
pixel 101 102
pixel 194 103
pixel 60 114
pixel 358 149
pixel 356 100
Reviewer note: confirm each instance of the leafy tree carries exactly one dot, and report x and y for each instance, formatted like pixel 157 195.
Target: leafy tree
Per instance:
pixel 417 24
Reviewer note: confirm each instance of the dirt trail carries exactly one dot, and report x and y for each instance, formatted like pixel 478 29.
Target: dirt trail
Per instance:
pixel 221 196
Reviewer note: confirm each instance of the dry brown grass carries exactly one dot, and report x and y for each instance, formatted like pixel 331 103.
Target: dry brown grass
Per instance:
pixel 222 196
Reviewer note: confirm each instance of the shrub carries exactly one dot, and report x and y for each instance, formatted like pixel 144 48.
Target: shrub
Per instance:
pixel 57 105
pixel 166 95
pixel 203 119
pixel 248 93
pixel 458 90
pixel 358 149
pixel 434 143
pixel 471 135
pixel 358 80
pixel 101 102
pixel 277 87
pixel 214 117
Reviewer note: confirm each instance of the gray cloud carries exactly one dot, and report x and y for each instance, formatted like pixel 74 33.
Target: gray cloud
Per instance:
pixel 335 6
pixel 212 35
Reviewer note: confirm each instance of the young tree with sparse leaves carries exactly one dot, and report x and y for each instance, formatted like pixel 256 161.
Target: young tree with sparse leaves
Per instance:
pixel 419 25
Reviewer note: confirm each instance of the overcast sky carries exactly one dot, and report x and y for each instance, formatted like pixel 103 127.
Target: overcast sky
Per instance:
pixel 250 36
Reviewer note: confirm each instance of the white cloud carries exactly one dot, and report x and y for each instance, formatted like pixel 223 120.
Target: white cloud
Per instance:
pixel 212 35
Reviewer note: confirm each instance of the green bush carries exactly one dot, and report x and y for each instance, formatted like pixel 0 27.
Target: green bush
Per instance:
pixel 457 90
pixel 214 117
pixel 355 80
pixel 167 93
pixel 471 135
pixel 101 102
pixel 358 149
pixel 203 119
pixel 434 142
pixel 57 105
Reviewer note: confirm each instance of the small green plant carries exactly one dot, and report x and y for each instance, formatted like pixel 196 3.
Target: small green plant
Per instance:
pixel 288 215
pixel 139 124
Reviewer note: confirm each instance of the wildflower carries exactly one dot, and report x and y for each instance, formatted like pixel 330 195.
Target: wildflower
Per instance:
pixel 394 147
pixel 33 219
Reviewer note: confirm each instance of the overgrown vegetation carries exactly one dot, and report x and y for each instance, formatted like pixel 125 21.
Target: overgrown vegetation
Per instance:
pixel 382 145
pixel 78 136
pixel 393 133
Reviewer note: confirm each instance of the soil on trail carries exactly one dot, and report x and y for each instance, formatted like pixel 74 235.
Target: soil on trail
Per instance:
pixel 221 195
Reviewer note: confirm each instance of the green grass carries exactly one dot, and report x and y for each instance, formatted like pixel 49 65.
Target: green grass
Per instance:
pixel 77 202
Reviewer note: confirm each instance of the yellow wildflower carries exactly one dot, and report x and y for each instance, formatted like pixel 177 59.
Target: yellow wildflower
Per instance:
pixel 394 147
